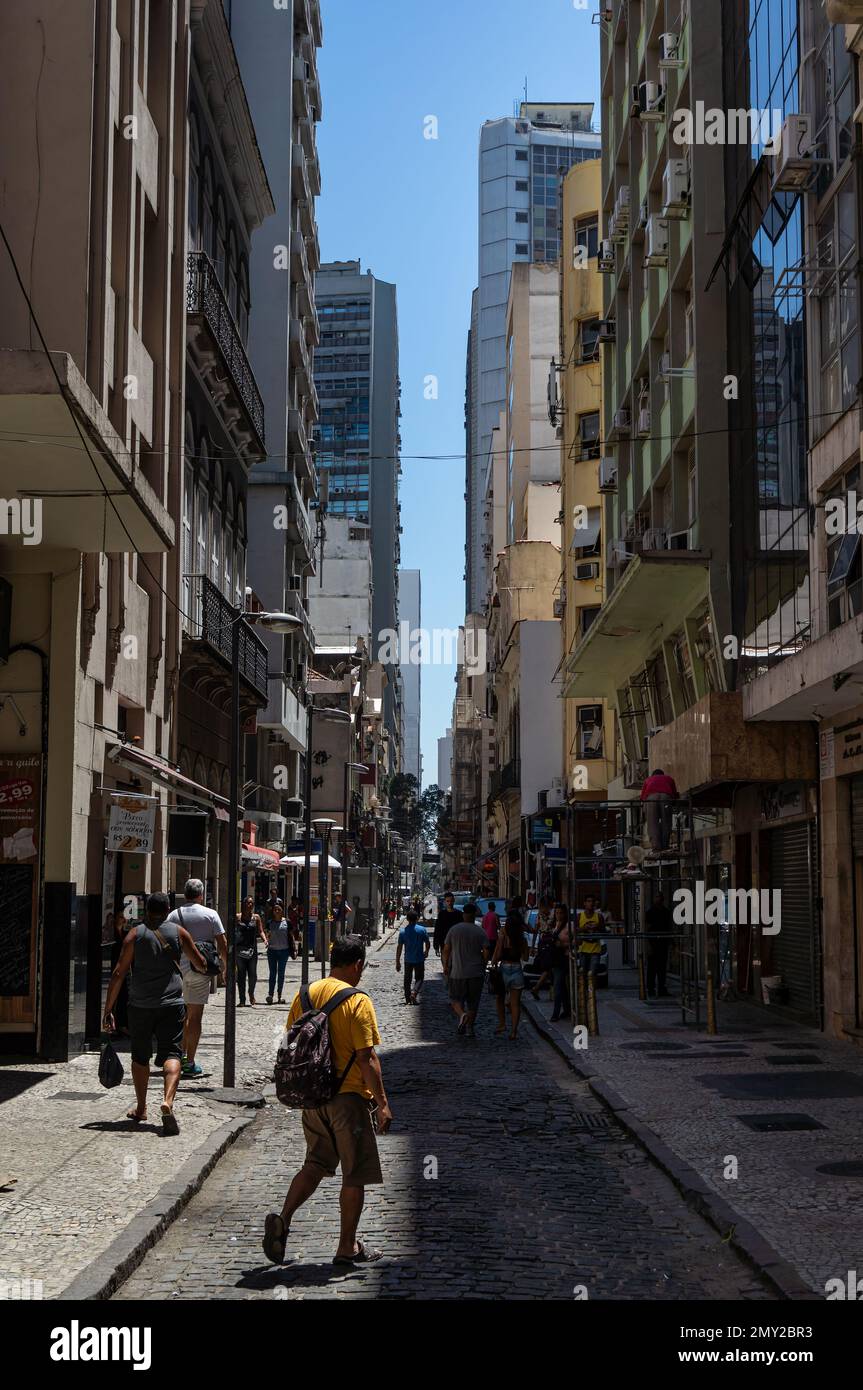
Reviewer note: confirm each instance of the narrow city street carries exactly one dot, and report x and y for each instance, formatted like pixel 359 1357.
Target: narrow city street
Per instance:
pixel 504 1178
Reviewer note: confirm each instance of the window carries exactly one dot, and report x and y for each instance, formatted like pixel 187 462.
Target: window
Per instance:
pixel 216 548
pixel 683 666
pixel 688 321
pixel 522 186
pixel 586 235
pixel 589 339
pixel 521 217
pixel 233 284
pixel 207 219
pixel 194 185
pixel 586 618
pixel 188 540
pixel 844 563
pixel 588 433
pixel 221 243
pixel 521 155
pixel 521 248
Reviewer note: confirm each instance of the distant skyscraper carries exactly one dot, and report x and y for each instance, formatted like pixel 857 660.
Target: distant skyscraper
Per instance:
pixel 521 160
pixel 356 371
pixel 444 761
pixel 410 610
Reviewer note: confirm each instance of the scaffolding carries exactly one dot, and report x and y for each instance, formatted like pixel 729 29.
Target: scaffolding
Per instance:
pixel 623 853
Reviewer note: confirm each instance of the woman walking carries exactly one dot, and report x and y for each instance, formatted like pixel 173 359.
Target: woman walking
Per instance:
pixel 250 930
pixel 561 932
pixel 278 951
pixel 510 951
pixel 544 946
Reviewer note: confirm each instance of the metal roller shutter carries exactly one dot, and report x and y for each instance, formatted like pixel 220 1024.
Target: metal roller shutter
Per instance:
pixel 857 815
pixel 793 871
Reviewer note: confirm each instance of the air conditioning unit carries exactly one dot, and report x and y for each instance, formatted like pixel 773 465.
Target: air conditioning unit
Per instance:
pixel 679 540
pixel 558 608
pixel 607 330
pixel 634 774
pixel 616 229
pixel 651 95
pixel 607 475
pixel 657 242
pixel 588 714
pixel 621 206
pixel 643 215
pixel 294 809
pixel 618 555
pixel 621 421
pixel 606 260
pixel 655 538
pixel 669 52
pixel 675 189
pixel 644 420
pixel 272 831
pixel 587 569
pixel 664 372
pixel 793 157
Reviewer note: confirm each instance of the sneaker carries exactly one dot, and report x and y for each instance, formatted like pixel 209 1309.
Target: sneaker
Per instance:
pixel 191 1069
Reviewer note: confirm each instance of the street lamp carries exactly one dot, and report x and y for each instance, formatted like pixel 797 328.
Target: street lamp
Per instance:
pixel 271 622
pixel 333 716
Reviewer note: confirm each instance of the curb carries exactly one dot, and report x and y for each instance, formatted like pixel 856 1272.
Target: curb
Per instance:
pixel 735 1229
pixel 112 1268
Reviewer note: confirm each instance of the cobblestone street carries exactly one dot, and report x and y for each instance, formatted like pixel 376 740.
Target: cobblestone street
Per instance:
pixel 536 1195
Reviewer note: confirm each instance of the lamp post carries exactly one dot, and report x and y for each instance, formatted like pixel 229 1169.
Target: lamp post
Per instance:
pixel 334 716
pixel 271 622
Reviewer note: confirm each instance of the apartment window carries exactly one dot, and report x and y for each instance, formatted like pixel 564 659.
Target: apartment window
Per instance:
pixel 194 184
pixel 521 155
pixel 188 535
pixel 586 618
pixel 207 219
pixel 658 691
pixel 588 434
pixel 216 547
pixel 221 242
pixel 522 186
pixel 683 667
pixel 839 339
pixel 589 719
pixel 588 334
pixel 688 321
pixel 521 248
pixel 586 235
pixel 844 561
pixel 521 217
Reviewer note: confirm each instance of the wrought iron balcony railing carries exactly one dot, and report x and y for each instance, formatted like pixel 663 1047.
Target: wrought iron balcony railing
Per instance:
pixel 206 298
pixel 212 618
pixel 506 778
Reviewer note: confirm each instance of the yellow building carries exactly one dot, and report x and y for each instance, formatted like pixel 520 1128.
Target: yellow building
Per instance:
pixel 589 744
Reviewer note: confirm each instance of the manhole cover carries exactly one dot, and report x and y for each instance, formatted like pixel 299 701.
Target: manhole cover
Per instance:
pixel 778 1124
pixel 852 1169
pixel 78 1095
pixel 792 1085
pixel 800 1059
pixel 656 1046
pixel 235 1095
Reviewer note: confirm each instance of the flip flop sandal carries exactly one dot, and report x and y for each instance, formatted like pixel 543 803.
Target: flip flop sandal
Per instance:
pixel 169 1121
pixel 275 1236
pixel 135 1117
pixel 365 1255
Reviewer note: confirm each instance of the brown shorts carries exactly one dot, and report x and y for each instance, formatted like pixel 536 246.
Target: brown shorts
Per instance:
pixel 342 1133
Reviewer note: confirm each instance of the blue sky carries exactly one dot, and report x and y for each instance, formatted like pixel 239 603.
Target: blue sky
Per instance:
pixel 407 207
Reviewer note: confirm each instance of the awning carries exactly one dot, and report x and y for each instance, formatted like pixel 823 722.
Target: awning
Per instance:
pixel 256 857
pixel 298 861
pixel 651 601
pixel 155 770
pixel 587 535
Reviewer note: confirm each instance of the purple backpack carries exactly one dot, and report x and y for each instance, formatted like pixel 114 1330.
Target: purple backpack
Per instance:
pixel 305 1072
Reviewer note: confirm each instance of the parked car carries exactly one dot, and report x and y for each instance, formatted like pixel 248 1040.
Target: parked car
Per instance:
pixel 531 970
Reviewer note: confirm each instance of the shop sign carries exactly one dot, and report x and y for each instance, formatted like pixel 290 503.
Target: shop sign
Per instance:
pixel 132 824
pixel 827 753
pixel 852 741
pixel 777 803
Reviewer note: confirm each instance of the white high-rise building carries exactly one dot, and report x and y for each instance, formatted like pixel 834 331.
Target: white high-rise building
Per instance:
pixel 410 613
pixel 521 161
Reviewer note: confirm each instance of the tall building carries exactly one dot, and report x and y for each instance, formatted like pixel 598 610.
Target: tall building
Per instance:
pixel 524 631
pixel 520 162
pixel 410 613
pixel 89 587
pixel 444 761
pixel 358 440
pixel 703 461
pixel 277 53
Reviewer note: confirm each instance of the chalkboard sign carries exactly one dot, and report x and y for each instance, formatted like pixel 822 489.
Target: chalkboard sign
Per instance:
pixel 16 895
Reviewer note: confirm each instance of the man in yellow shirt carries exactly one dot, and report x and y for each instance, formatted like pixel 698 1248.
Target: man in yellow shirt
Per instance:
pixel 590 921
pixel 341 1132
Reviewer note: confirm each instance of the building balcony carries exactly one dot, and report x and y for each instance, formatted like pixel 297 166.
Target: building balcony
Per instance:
pixel 218 352
pixel 826 675
pixel 299 258
pixel 300 175
pixel 209 639
pixel 298 443
pixel 300 355
pixel 315 23
pixel 285 713
pixel 711 744
pixel 312 325
pixel 505 779
pixel 91 500
pixel 294 605
pixel 299 529
pixel 301 86
pixel 313 247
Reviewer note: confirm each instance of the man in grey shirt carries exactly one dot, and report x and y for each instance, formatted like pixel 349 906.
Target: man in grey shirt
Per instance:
pixel 465 953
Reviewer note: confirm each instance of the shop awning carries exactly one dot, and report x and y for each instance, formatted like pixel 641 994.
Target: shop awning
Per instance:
pixel 298 861
pixel 155 770
pixel 657 592
pixel 256 857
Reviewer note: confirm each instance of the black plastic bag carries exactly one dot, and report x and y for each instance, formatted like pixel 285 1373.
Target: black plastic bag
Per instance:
pixel 110 1066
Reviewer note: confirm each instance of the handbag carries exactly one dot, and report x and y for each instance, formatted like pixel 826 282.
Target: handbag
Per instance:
pixel 495 980
pixel 110 1066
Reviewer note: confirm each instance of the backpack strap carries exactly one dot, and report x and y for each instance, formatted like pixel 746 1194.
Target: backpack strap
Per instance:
pixel 327 1009
pixel 166 948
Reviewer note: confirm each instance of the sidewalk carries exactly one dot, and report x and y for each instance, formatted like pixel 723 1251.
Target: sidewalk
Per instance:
pixel 91 1190
pixel 687 1095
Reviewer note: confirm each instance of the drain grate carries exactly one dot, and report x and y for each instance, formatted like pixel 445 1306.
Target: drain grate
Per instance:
pixel 78 1095
pixel 851 1169
pixel 779 1124
pixel 586 1122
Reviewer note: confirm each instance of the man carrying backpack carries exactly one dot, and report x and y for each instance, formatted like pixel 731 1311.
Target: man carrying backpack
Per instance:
pixel 329 1069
